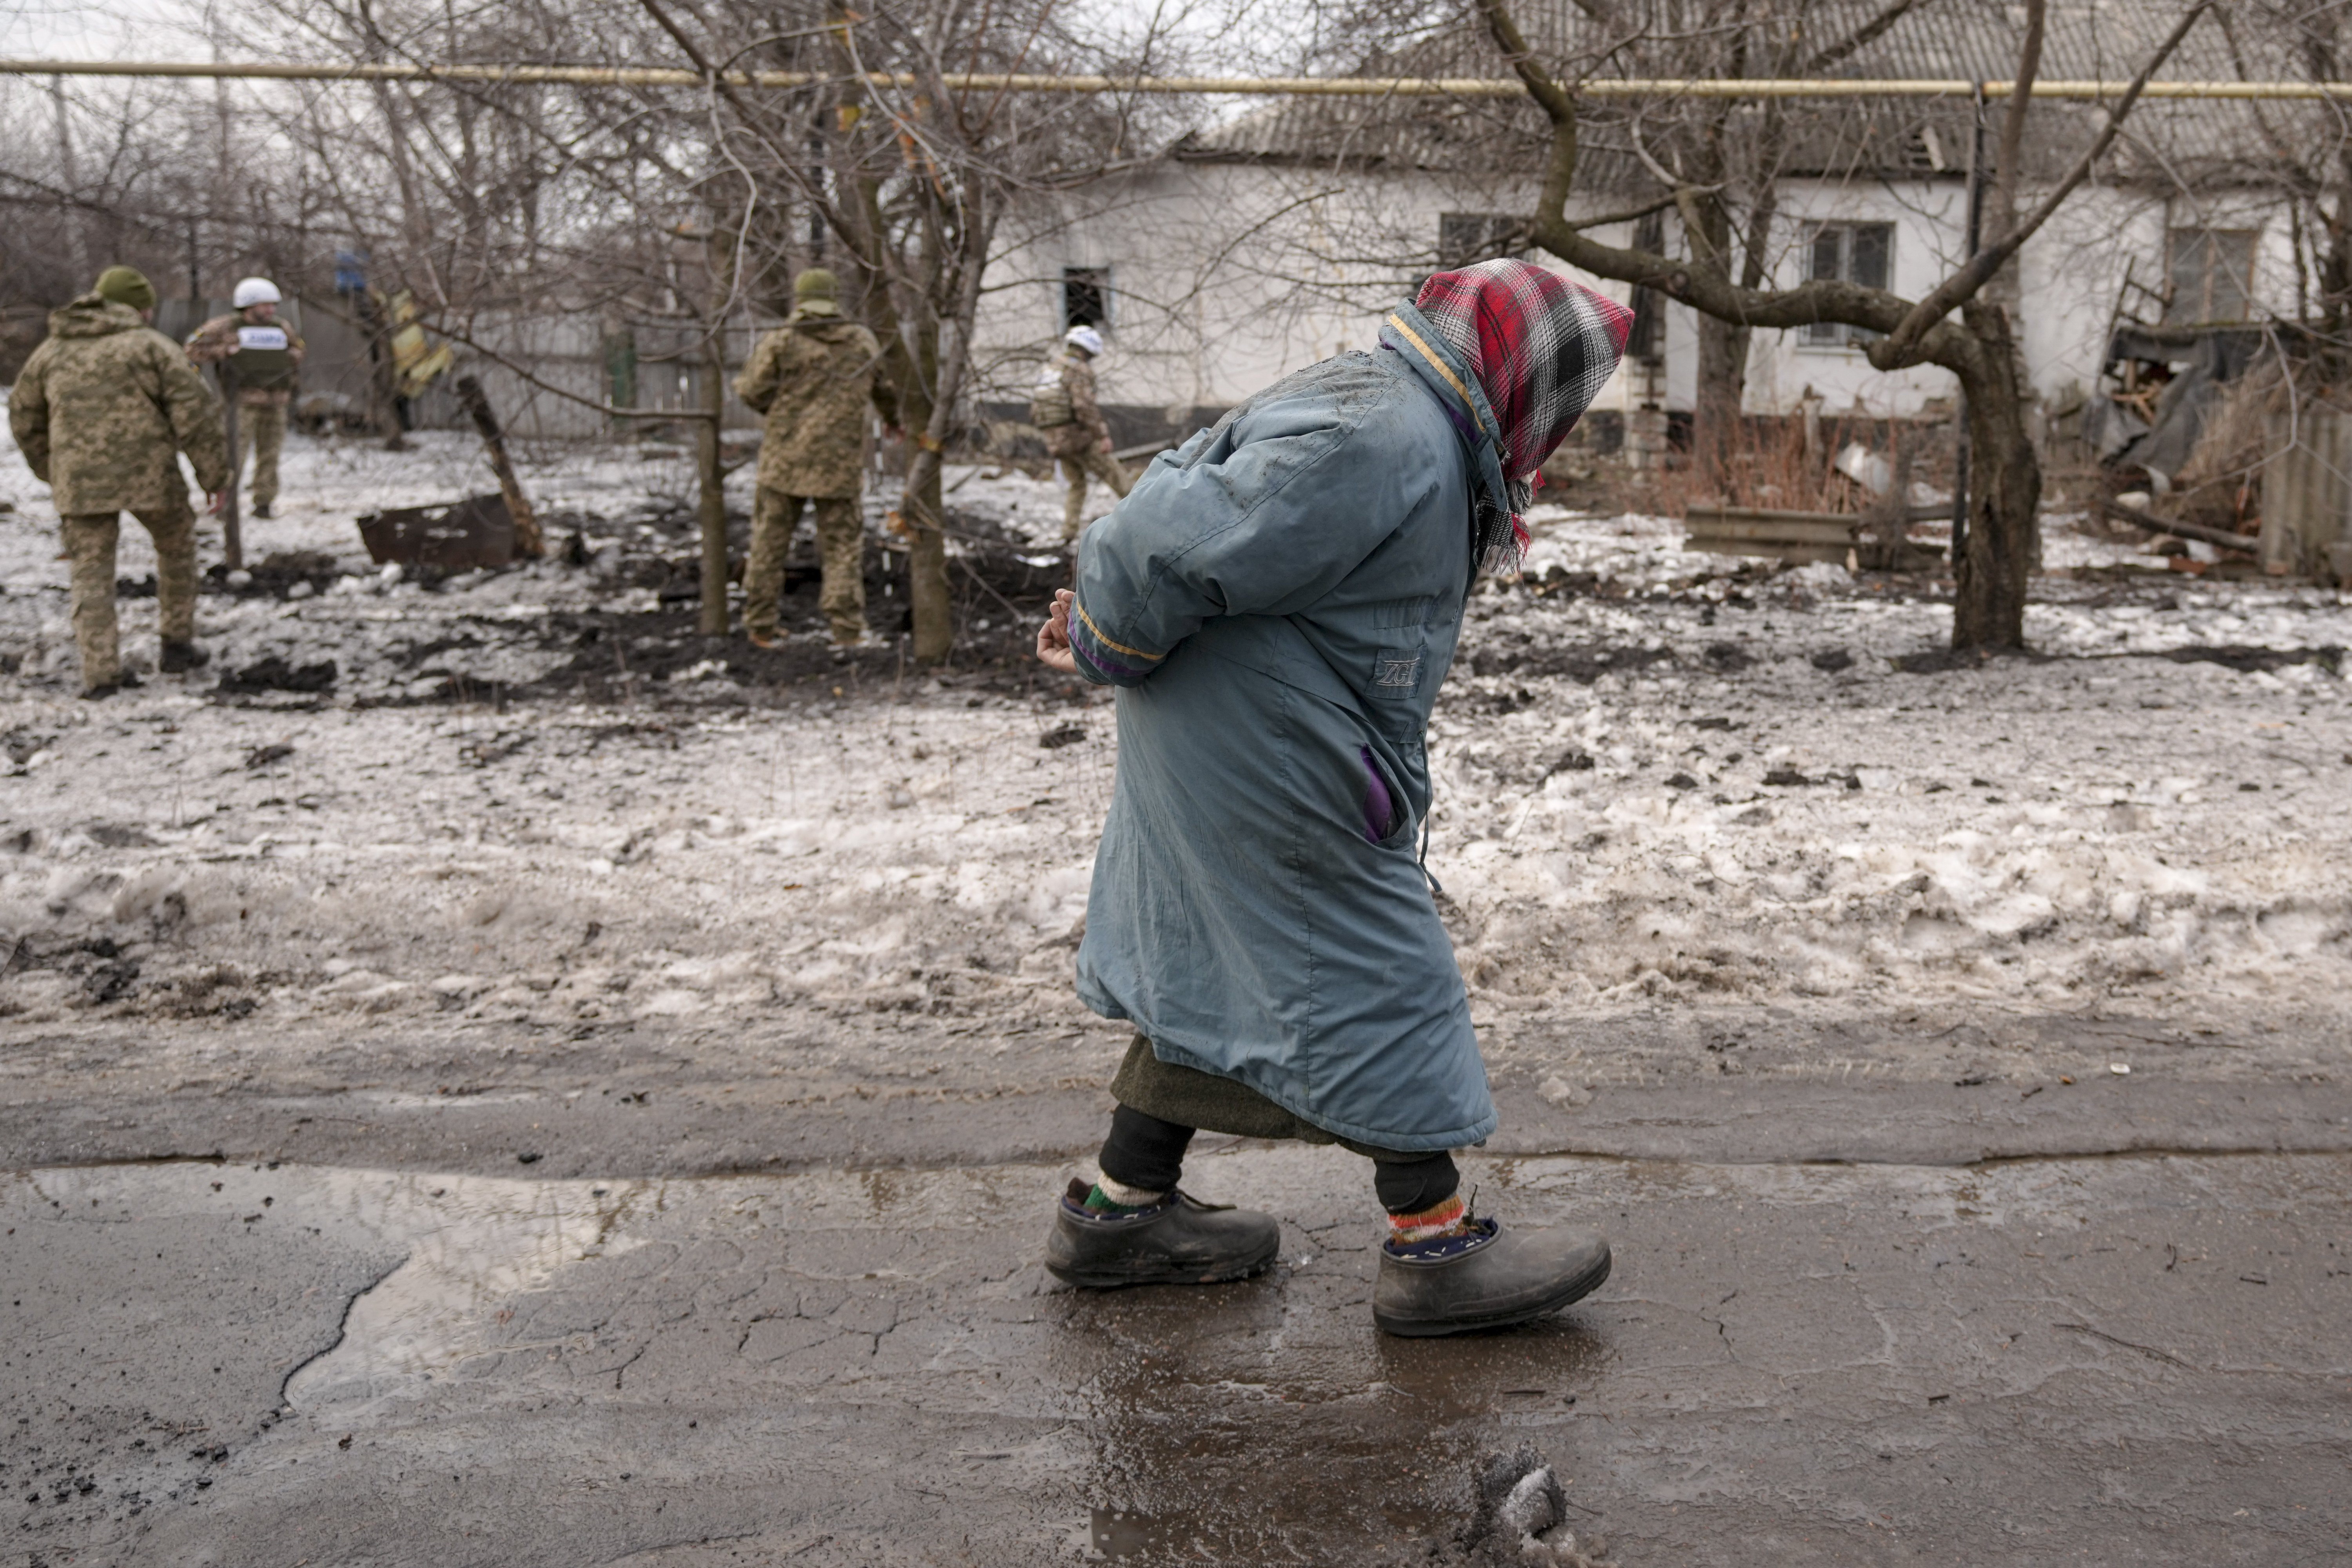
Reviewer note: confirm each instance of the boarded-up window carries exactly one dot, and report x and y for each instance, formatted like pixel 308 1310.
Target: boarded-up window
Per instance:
pixel 1859 253
pixel 1463 238
pixel 2211 274
pixel 1086 298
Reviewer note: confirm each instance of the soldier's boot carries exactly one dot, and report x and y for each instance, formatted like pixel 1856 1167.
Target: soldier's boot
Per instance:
pixel 1485 1277
pixel 179 657
pixel 261 508
pixel 1178 1240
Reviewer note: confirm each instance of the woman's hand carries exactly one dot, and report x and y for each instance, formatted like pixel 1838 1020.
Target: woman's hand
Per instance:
pixel 1053 637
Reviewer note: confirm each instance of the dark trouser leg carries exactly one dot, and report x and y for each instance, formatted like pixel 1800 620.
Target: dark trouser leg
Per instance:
pixel 1144 1153
pixel 1415 1184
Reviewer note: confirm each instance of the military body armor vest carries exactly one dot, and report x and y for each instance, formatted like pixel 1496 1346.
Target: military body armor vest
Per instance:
pixel 1049 400
pixel 263 358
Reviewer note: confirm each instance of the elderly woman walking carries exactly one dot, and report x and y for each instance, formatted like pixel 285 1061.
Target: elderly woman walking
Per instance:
pixel 1278 602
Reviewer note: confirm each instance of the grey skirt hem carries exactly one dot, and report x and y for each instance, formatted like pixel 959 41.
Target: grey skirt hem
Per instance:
pixel 1190 1098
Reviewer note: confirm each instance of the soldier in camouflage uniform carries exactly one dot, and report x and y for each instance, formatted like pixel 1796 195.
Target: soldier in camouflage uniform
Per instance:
pixel 101 413
pixel 268 356
pixel 813 377
pixel 1064 412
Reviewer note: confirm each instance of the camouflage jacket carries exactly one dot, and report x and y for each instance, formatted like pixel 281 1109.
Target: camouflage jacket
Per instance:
pixel 1087 428
pixel 812 378
pixel 216 340
pixel 104 408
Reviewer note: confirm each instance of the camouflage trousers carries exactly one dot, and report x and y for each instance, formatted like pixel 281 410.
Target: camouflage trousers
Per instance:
pixel 263 427
pixel 1075 467
pixel 89 539
pixel 841 541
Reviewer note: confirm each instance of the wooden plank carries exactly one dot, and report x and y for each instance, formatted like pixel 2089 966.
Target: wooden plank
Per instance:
pixel 1775 532
pixel 1849 520
pixel 1768 552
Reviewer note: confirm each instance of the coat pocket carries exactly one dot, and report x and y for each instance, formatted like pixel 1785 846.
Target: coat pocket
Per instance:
pixel 1386 816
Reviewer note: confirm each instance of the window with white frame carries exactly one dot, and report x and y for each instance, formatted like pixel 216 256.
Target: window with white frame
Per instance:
pixel 2210 274
pixel 1858 253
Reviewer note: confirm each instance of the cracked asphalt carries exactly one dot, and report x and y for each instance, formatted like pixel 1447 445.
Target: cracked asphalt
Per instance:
pixel 253 1322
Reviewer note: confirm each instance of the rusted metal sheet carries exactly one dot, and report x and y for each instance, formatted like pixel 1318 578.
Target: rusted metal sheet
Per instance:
pixel 2307 495
pixel 476 531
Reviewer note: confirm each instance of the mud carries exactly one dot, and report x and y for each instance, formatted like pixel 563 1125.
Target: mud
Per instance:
pixel 2121 1359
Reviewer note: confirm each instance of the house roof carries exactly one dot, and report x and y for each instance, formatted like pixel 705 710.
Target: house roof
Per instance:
pixel 2175 143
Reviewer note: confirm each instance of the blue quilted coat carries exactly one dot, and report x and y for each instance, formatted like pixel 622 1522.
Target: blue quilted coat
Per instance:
pixel 1278 602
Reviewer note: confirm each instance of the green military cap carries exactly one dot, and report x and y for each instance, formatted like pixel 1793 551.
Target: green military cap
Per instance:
pixel 127 286
pixel 816 283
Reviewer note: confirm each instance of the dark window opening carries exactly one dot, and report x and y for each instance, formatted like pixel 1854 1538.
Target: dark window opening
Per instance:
pixel 1086 298
pixel 1858 253
pixel 1466 238
pixel 2211 272
pixel 1645 340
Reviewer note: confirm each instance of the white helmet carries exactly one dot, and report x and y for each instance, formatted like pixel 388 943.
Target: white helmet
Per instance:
pixel 256 291
pixel 1084 337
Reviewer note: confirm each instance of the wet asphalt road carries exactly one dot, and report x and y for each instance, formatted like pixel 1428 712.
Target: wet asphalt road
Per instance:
pixel 2132 1344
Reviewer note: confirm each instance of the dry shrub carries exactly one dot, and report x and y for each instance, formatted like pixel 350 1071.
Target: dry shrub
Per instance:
pixel 1771 468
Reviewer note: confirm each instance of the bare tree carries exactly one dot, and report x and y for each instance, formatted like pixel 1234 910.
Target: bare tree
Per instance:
pixel 905 176
pixel 2003 474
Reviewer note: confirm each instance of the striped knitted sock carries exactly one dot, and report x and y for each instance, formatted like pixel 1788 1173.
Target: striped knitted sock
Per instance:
pixel 1116 1198
pixel 1440 1219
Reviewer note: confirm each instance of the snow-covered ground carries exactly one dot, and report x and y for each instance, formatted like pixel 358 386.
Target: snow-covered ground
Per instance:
pixel 1660 776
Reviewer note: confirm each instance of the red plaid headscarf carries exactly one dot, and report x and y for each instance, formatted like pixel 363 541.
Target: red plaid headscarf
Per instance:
pixel 1541 347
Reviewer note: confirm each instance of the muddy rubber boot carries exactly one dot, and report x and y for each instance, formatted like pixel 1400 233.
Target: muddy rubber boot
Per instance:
pixel 1488 1279
pixel 1181 1241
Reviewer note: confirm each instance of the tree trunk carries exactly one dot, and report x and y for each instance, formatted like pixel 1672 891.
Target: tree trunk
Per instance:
pixel 710 470
pixel 1722 388
pixel 927 561
pixel 2004 494
pixel 923 509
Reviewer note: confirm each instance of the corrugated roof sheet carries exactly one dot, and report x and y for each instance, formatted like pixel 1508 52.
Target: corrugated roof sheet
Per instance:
pixel 2191 144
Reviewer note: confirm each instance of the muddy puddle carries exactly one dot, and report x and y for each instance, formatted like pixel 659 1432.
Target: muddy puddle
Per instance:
pixel 373 1366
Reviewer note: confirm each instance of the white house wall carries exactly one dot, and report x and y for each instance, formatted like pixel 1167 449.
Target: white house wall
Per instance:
pixel 1228 275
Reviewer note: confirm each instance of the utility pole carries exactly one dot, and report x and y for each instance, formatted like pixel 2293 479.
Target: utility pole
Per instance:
pixel 69 170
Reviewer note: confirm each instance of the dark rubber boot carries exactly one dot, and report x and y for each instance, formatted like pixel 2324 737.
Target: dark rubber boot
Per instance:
pixel 179 657
pixel 1487 1279
pixel 1182 1241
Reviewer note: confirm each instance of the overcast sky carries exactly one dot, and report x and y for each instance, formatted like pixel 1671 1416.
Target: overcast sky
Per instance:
pixel 120 29
pixel 166 31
